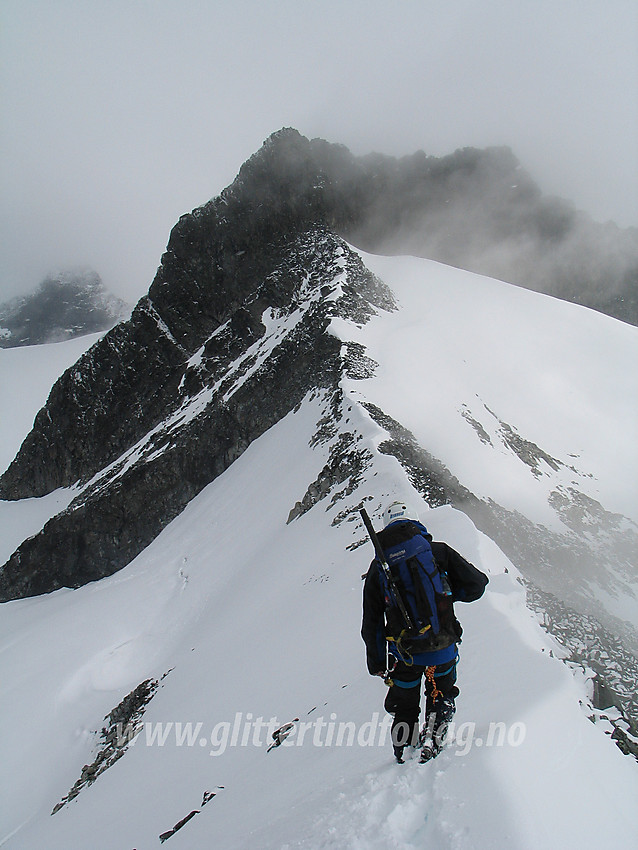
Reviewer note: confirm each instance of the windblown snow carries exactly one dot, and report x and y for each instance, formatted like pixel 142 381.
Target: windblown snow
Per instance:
pixel 483 351
pixel 245 622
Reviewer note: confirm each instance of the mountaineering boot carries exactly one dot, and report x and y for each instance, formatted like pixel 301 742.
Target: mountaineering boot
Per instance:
pixel 444 710
pixel 426 741
pixel 398 754
pixel 429 751
pixel 426 730
pixel 434 731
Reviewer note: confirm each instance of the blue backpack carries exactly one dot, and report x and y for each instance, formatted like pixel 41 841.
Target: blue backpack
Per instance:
pixel 423 587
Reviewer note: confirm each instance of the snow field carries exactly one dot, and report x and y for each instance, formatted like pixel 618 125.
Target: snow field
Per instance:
pixel 566 372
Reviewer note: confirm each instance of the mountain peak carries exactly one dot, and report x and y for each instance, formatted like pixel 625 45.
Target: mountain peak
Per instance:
pixel 245 293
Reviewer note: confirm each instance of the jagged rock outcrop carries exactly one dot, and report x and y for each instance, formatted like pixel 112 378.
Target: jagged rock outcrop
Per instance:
pixel 67 304
pixel 204 404
pixel 122 725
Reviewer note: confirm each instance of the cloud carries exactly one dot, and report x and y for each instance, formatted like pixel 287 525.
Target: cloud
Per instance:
pixel 119 116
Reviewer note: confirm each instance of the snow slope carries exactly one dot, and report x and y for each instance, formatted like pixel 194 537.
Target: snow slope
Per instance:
pixel 248 617
pixel 564 372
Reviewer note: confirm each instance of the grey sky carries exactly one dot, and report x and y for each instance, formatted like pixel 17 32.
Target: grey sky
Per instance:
pixel 118 117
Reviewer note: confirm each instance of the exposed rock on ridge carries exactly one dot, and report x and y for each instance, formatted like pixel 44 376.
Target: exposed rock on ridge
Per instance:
pixel 215 255
pixel 253 368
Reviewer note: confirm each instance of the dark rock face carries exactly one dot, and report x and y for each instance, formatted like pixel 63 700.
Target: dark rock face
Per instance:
pixel 594 648
pixel 68 304
pixel 240 378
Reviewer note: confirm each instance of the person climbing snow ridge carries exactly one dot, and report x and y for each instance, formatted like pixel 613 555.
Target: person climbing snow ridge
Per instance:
pixel 409 626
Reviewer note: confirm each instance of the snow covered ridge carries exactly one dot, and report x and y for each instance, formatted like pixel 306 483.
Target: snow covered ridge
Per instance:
pixel 479 439
pixel 508 431
pixel 200 364
pixel 267 623
pixel 510 408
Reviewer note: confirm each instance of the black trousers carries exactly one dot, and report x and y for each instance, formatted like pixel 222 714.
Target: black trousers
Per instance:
pixel 404 697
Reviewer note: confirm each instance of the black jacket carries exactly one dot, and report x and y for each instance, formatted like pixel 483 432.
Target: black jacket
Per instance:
pixel 466 582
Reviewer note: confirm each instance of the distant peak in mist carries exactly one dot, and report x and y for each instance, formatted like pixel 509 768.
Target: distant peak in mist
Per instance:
pixel 67 303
